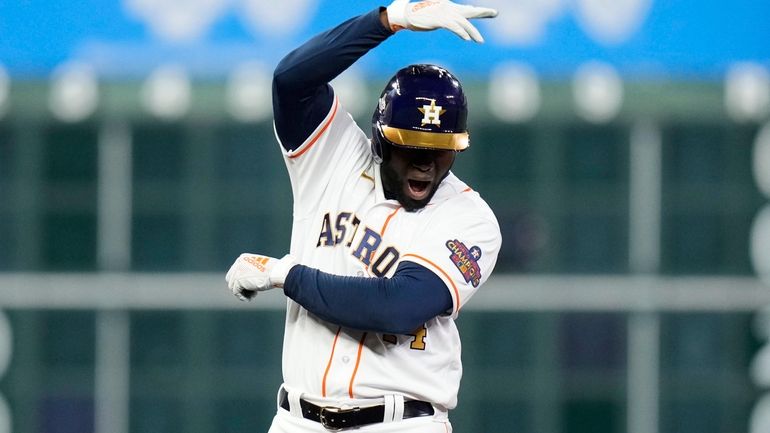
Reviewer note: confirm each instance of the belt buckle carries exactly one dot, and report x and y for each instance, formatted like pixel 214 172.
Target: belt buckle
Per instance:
pixel 323 418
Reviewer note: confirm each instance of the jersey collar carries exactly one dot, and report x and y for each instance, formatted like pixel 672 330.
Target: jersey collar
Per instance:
pixel 448 188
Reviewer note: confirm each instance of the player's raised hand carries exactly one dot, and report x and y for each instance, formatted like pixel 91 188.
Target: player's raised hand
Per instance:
pixel 438 14
pixel 253 273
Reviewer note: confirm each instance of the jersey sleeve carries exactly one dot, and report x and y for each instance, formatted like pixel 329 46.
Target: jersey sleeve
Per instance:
pixel 461 250
pixel 333 152
pixel 301 92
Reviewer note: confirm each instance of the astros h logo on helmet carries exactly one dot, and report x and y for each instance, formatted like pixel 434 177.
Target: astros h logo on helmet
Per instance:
pixel 431 113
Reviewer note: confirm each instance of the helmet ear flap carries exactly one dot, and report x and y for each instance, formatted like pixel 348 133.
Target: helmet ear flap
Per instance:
pixel 380 145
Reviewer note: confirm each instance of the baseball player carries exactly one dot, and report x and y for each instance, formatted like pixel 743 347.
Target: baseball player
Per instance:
pixel 387 244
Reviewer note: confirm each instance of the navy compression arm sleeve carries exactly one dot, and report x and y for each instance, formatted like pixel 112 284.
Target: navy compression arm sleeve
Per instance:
pixel 301 94
pixel 396 305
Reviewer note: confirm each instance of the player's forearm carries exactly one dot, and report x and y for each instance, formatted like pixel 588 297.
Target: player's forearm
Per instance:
pixel 395 305
pixel 322 58
pixel 300 81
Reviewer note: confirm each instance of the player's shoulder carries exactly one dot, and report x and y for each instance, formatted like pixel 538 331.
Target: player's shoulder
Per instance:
pixel 461 201
pixel 338 128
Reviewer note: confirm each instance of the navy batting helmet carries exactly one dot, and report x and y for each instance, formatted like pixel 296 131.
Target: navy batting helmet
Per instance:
pixel 422 107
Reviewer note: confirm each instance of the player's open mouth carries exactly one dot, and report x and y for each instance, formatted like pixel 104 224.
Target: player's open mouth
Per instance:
pixel 418 189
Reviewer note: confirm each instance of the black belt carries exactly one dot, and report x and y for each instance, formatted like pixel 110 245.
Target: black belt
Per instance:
pixel 336 419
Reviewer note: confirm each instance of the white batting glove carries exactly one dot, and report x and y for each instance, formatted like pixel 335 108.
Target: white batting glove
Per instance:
pixel 253 273
pixel 437 14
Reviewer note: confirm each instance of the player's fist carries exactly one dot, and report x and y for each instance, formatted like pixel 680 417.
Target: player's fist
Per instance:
pixel 437 14
pixel 253 273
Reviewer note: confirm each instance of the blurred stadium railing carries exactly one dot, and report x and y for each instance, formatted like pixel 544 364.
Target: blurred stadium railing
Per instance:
pixel 173 352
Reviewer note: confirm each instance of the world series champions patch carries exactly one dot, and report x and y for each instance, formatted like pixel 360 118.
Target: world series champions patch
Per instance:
pixel 467 260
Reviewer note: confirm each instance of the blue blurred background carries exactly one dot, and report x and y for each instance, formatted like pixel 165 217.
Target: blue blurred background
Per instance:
pixel 686 39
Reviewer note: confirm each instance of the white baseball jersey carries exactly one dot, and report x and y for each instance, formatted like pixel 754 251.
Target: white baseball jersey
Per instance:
pixel 344 225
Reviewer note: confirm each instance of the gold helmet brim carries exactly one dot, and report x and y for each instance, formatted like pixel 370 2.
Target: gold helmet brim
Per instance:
pixel 457 141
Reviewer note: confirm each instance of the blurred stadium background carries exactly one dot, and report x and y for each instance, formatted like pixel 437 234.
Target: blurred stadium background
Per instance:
pixel 624 146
